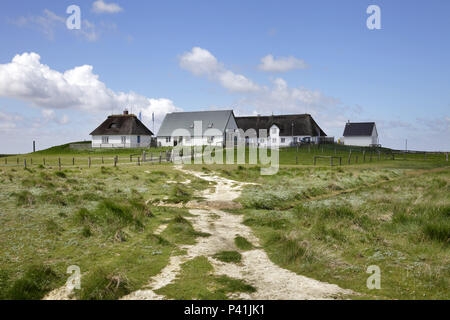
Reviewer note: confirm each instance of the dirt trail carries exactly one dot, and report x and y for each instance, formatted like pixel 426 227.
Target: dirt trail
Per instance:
pixel 271 281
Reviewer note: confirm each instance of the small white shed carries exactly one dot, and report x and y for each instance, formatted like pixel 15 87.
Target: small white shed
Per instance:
pixel 362 134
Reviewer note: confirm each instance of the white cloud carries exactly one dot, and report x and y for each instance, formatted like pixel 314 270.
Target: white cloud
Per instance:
pixel 201 62
pixel 8 121
pixel 100 6
pixel 280 98
pixel 27 79
pixel 282 64
pixel 49 22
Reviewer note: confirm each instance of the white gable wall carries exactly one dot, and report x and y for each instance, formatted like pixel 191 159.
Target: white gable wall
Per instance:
pixel 115 141
pixel 363 141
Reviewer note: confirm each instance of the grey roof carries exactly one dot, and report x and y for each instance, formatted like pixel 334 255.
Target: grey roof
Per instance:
pixel 353 129
pixel 185 120
pixel 289 124
pixel 122 124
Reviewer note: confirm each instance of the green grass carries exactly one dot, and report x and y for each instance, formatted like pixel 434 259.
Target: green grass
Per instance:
pixel 32 285
pixel 228 256
pixel 196 281
pixel 242 243
pixel 95 218
pixel 396 218
pixel 180 231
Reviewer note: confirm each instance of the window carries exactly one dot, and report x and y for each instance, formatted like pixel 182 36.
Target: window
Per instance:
pixel 262 140
pixel 274 140
pixel 211 139
pixel 295 139
pixel 167 139
pixel 124 139
pixel 210 125
pixel 274 130
pixel 105 140
pixel 138 139
pixel 188 139
pixel 114 126
pixel 283 140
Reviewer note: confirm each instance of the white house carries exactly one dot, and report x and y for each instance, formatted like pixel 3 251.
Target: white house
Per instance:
pixel 362 134
pixel 196 128
pixel 121 131
pixel 282 130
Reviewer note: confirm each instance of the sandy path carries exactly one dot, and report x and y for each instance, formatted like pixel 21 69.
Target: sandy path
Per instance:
pixel 271 281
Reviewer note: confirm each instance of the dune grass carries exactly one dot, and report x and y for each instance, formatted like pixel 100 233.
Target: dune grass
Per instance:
pixel 196 281
pixel 98 219
pixel 396 218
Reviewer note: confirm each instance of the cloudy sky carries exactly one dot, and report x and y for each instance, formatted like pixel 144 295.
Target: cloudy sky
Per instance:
pixel 256 57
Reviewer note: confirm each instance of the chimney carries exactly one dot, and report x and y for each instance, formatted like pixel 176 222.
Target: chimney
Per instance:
pixel 125 112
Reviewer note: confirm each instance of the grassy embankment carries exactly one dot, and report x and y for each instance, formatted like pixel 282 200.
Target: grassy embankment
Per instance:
pixel 332 223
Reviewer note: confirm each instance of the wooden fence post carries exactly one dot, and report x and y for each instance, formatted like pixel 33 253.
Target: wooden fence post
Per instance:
pixel 131 158
pixel 31 161
pixel 331 161
pixel 89 162
pixel 143 156
pixel 103 160
pixel 296 159
pixel 17 160
pixel 314 160
pixel 340 161
pixel 115 161
pixel 59 164
pixel 160 156
pixel 139 161
pixel 73 161
pixel 364 155
pixel 446 157
pixel 43 160
pixel 25 163
pixel 6 160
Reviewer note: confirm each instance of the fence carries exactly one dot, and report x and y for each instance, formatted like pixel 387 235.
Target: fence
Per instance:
pixel 64 162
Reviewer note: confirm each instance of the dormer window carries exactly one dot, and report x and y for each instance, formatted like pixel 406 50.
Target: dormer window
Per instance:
pixel 191 126
pixel 210 125
pixel 114 126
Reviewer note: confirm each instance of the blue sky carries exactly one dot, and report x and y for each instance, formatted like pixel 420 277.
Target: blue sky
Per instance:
pixel 162 56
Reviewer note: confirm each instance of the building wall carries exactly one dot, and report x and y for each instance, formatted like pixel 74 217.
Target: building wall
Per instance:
pixel 115 141
pixel 205 140
pixel 363 141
